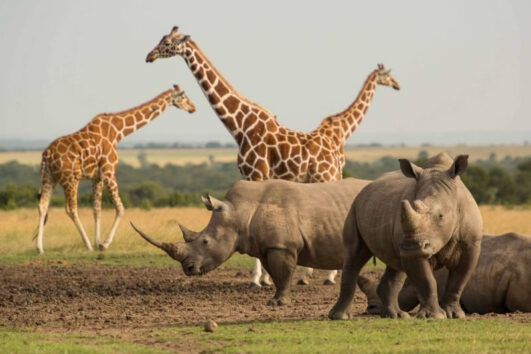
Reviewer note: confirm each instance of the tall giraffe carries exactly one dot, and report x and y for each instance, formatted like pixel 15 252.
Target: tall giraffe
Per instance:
pixel 91 153
pixel 267 150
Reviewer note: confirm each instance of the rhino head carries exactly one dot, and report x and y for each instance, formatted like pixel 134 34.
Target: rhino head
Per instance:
pixel 429 221
pixel 205 250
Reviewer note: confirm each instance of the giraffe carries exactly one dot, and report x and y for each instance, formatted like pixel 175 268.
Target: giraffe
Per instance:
pixel 266 149
pixel 90 153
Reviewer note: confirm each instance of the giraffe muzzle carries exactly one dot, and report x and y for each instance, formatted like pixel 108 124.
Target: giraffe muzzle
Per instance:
pixel 152 56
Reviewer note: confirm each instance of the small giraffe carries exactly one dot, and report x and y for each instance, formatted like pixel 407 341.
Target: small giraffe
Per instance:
pixel 91 153
pixel 267 150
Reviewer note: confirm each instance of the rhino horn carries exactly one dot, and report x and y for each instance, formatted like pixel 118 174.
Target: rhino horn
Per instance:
pixel 420 207
pixel 410 218
pixel 175 251
pixel 188 234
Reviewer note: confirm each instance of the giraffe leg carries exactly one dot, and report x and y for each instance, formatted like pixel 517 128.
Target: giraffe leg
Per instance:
pixel 97 189
pixel 331 278
pixel 112 185
pixel 305 280
pixel 257 274
pixel 265 279
pixel 71 210
pixel 44 201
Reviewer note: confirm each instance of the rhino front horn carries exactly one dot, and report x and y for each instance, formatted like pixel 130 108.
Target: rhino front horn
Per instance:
pixel 174 251
pixel 409 216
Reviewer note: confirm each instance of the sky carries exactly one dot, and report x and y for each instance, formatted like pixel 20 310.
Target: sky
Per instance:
pixel 463 66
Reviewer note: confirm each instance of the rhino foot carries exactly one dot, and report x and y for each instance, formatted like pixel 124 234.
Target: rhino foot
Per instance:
pixel 329 282
pixel 392 313
pixel 338 315
pixel 431 312
pixel 454 311
pixel 303 281
pixel 278 302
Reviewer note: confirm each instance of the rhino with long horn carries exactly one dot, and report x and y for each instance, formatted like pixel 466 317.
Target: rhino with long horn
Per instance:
pixel 282 223
pixel 414 220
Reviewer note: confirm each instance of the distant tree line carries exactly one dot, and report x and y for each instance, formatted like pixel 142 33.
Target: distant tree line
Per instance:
pixel 491 181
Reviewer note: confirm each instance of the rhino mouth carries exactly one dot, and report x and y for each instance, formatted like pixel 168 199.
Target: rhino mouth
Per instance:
pixel 416 248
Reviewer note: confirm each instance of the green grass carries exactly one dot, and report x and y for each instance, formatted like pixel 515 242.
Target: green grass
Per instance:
pixel 25 341
pixel 363 335
pixel 114 258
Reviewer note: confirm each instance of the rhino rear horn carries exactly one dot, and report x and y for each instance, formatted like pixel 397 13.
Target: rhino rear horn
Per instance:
pixel 188 235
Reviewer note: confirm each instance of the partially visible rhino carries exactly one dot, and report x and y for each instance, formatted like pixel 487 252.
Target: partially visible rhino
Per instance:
pixel 500 283
pixel 280 222
pixel 419 220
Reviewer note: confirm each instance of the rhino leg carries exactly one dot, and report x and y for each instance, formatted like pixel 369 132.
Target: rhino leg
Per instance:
pixel 280 264
pixel 419 272
pixel 357 254
pixel 458 276
pixel 388 289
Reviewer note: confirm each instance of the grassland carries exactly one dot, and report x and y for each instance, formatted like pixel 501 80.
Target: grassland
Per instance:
pixel 363 334
pixel 62 241
pixel 359 154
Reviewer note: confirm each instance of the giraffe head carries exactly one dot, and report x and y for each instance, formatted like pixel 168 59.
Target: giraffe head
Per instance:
pixel 170 45
pixel 180 100
pixel 383 77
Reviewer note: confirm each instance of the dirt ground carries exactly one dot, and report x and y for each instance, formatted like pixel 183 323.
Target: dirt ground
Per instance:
pixel 94 297
pixel 109 298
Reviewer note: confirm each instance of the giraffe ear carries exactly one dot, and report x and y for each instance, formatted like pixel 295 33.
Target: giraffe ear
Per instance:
pixel 176 88
pixel 174 30
pixel 380 66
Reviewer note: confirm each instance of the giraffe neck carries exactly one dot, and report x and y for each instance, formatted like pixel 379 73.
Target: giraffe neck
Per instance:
pixel 234 110
pixel 343 124
pixel 116 126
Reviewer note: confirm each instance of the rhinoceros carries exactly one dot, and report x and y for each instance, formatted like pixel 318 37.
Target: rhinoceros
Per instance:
pixel 282 223
pixel 414 221
pixel 500 283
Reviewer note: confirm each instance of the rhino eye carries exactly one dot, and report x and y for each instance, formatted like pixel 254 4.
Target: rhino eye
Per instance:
pixel 205 241
pixel 441 216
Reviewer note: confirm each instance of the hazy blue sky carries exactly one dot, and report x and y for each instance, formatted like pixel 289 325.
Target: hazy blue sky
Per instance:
pixel 464 66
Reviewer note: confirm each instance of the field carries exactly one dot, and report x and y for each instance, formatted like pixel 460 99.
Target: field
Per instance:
pixel 359 154
pixel 132 298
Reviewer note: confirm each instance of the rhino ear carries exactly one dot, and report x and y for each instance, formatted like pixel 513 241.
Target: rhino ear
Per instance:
pixel 409 169
pixel 213 204
pixel 459 166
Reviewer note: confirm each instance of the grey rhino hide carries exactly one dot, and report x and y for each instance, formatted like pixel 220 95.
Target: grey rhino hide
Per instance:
pixel 500 283
pixel 414 220
pixel 280 222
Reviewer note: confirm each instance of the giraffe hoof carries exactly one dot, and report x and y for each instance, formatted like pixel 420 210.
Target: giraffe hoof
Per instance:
pixel 254 286
pixel 329 282
pixel 303 282
pixel 101 247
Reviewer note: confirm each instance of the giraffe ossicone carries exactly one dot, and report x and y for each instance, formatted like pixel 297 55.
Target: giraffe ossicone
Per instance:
pixel 90 153
pixel 266 149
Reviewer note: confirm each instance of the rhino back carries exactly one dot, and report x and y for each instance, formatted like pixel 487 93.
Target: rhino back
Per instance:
pixel 307 218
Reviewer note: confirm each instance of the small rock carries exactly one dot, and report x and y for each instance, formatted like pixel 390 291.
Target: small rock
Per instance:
pixel 210 326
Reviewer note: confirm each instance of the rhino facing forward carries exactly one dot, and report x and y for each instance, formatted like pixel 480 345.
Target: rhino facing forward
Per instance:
pixel 282 223
pixel 500 283
pixel 442 228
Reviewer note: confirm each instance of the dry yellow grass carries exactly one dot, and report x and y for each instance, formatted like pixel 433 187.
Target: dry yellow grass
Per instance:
pixel 360 154
pixel 18 226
